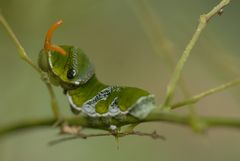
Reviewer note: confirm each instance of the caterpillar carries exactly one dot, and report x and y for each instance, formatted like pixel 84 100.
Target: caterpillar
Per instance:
pixel 68 67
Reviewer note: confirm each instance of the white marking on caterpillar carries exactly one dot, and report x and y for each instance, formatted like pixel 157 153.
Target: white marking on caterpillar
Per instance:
pixel 113 127
pixel 143 106
pixel 113 109
pixel 88 107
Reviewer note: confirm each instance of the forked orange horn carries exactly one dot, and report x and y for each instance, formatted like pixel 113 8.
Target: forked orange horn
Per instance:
pixel 48 45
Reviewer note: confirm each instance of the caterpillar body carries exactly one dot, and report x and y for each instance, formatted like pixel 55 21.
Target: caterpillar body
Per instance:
pixel 70 68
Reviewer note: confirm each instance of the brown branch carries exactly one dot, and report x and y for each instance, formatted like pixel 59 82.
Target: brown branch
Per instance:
pixel 153 135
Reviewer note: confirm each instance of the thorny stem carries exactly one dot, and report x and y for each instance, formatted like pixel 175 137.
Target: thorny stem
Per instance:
pixel 204 19
pixel 26 58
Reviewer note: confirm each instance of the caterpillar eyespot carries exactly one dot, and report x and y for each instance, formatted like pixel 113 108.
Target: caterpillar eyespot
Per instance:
pixel 71 73
pixel 86 94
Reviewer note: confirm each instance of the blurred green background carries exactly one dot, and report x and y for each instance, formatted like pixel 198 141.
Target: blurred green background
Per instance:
pixel 126 48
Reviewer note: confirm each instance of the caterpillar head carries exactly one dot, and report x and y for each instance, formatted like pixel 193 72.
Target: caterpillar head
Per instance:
pixel 66 65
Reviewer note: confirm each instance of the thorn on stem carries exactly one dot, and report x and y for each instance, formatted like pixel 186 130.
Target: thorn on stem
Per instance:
pixel 220 12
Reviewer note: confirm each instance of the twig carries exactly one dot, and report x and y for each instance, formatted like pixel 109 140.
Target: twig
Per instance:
pixel 204 19
pixel 198 97
pixel 21 50
pixel 24 56
pixel 153 135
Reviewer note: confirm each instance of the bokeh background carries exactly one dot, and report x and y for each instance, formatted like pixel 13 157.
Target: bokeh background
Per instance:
pixel 130 42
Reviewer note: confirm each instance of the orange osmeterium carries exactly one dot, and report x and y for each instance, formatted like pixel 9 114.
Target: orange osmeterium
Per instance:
pixel 48 45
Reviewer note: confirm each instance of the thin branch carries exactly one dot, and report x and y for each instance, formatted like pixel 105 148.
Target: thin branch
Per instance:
pixel 77 132
pixel 200 96
pixel 204 19
pixel 54 105
pixel 21 50
pixel 186 120
pixel 153 135
pixel 27 59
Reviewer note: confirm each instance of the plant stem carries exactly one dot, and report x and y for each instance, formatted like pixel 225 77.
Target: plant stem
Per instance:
pixel 27 59
pixel 54 105
pixel 198 97
pixel 21 50
pixel 153 117
pixel 204 19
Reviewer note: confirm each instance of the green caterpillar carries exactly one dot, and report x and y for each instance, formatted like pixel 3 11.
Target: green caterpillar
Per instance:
pixel 70 68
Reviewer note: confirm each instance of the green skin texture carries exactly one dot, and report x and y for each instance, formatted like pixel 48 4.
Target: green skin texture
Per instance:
pixel 57 67
pixel 128 95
